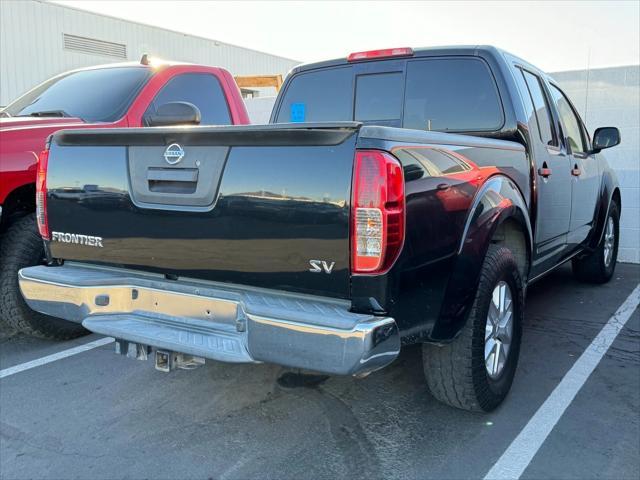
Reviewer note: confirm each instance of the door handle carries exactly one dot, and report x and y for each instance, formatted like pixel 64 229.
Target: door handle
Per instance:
pixel 575 171
pixel 544 172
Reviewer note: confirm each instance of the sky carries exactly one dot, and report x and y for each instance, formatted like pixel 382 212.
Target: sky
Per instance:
pixel 554 36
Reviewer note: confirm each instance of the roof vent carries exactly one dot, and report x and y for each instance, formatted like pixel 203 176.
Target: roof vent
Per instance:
pixel 93 46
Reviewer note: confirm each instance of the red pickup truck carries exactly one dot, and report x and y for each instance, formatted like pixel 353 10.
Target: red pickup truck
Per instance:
pixel 109 96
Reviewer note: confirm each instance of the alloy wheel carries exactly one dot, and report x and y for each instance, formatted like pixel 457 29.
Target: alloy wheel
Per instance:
pixel 498 330
pixel 609 242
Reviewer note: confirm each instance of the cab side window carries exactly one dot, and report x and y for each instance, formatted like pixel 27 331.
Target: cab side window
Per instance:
pixel 570 121
pixel 201 89
pixel 541 109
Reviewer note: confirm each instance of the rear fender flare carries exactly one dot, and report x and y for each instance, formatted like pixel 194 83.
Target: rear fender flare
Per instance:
pixel 497 201
pixel 608 189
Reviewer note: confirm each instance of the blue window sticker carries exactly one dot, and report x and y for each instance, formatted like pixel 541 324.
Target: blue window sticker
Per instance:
pixel 297 114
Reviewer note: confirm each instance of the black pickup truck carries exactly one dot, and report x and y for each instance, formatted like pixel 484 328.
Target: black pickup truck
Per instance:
pixel 398 197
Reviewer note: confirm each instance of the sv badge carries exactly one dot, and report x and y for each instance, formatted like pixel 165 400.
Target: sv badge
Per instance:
pixel 319 266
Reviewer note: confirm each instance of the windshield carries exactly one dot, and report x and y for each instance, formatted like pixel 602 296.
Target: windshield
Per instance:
pixel 442 94
pixel 100 95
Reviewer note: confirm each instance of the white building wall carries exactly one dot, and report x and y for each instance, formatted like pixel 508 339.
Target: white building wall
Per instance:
pixel 32 48
pixel 611 97
pixel 259 108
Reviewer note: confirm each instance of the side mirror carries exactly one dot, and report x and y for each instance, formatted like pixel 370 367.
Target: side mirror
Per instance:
pixel 605 137
pixel 173 113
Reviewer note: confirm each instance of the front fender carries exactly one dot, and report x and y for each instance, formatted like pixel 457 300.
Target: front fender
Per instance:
pixel 497 200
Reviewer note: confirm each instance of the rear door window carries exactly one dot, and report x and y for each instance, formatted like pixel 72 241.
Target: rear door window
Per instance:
pixel 451 95
pixel 379 98
pixel 201 89
pixel 539 99
pixel 318 96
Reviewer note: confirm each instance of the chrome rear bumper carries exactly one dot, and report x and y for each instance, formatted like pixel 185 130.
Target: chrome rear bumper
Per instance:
pixel 212 320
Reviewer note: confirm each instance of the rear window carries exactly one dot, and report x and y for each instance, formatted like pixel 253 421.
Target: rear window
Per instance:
pixel 379 98
pixel 100 95
pixel 451 95
pixel 320 96
pixel 448 95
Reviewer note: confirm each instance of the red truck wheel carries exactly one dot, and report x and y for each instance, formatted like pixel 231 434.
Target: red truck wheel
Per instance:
pixel 21 246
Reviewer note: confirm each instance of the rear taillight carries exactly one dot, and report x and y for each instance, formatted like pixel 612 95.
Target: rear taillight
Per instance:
pixel 383 53
pixel 41 194
pixel 377 212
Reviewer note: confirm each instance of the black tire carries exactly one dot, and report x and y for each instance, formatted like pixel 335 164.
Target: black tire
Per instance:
pixel 592 268
pixel 21 246
pixel 456 372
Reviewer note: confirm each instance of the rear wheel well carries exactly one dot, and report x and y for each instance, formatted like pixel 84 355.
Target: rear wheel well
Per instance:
pixel 18 203
pixel 510 234
pixel 617 199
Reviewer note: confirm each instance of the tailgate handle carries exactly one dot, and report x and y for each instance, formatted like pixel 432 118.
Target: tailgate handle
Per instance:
pixel 172 174
pixel 172 180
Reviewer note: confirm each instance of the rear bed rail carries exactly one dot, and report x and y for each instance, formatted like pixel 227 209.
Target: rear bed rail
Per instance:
pixel 283 134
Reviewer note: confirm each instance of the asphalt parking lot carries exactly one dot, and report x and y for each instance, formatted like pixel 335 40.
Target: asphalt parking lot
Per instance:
pixel 99 415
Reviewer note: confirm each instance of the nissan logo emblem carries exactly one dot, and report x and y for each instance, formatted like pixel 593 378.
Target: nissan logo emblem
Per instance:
pixel 173 154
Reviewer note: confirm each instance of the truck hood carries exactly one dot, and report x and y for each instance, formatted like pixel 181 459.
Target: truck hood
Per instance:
pixel 13 123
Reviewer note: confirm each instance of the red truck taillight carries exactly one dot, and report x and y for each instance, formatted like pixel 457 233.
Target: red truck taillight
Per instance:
pixel 41 194
pixel 377 212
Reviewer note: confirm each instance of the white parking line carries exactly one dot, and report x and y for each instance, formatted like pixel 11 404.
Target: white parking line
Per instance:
pixel 517 457
pixel 56 356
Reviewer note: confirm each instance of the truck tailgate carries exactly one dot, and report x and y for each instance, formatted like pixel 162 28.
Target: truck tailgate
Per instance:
pixel 250 205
